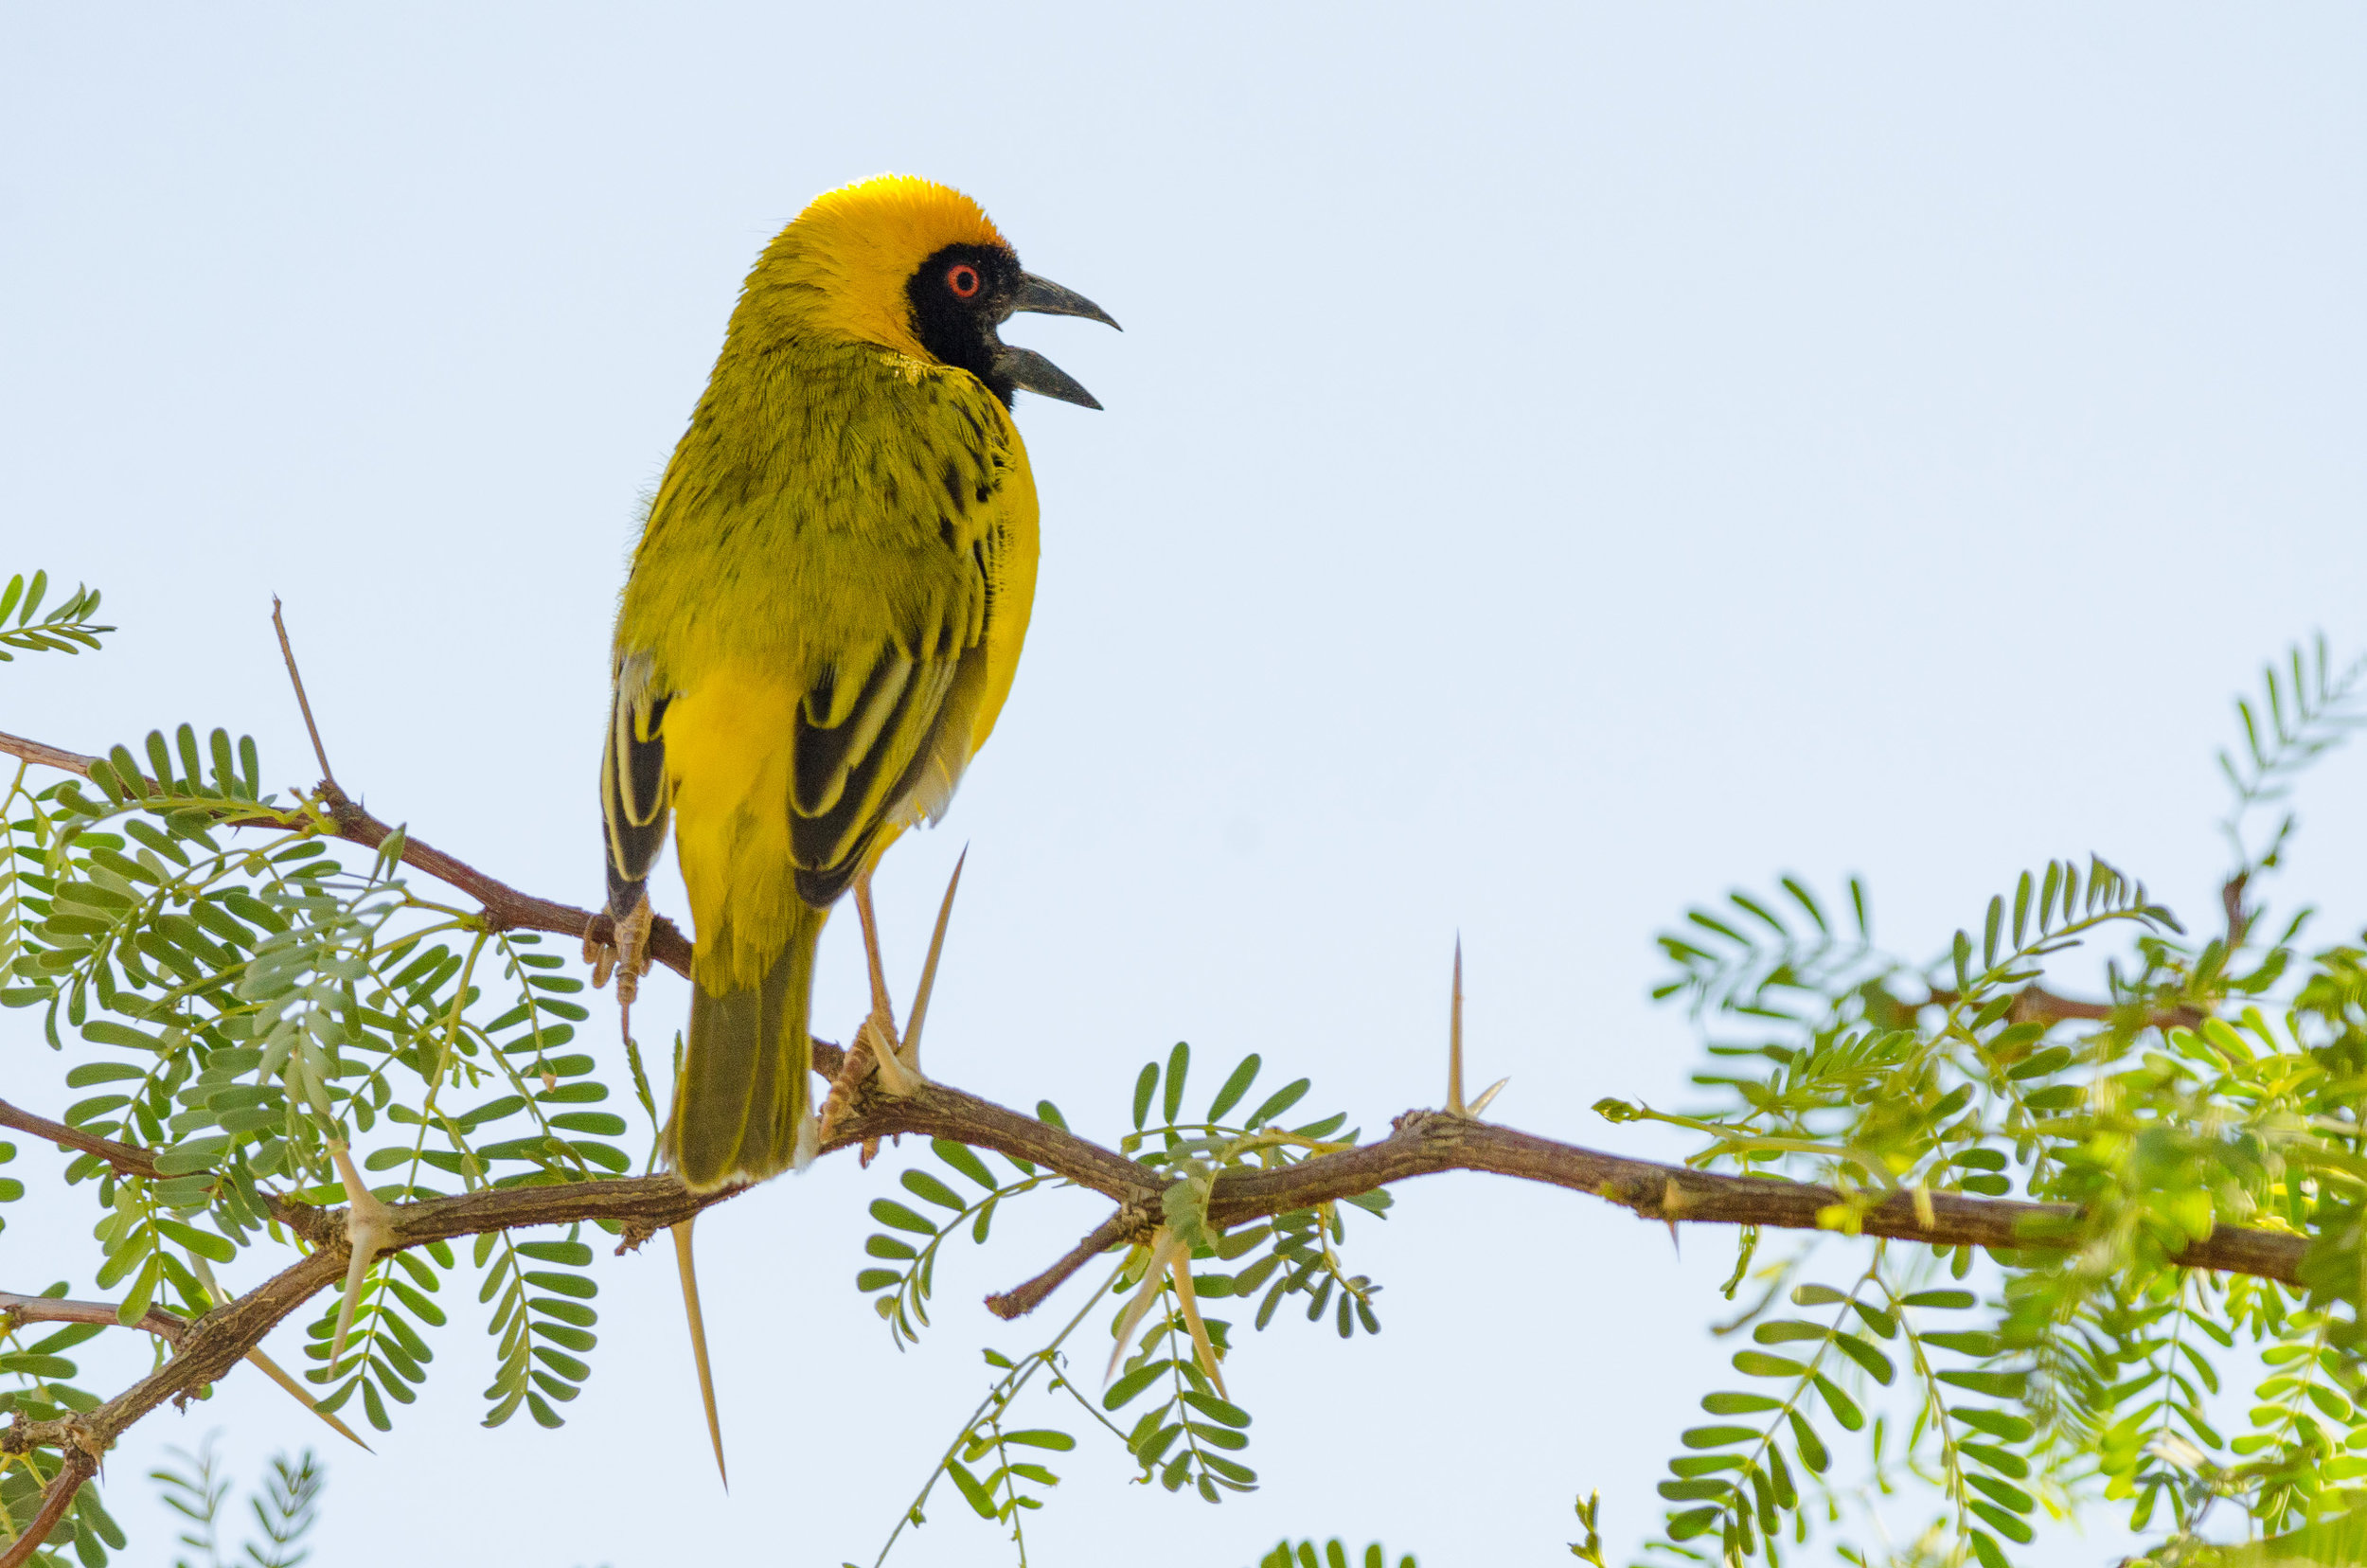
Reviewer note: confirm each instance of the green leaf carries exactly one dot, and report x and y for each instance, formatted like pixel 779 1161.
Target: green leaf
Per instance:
pixel 1179 1062
pixel 1717 1436
pixel 1042 1437
pixel 1216 1409
pixel 88 1073
pixel 1696 1491
pixel 929 1190
pixel 2003 1385
pixel 896 1217
pixel 1997 1460
pixel 979 1501
pixel 1782 1331
pixel 1739 1404
pixel 105 1032
pixel 2006 1524
pixel 1812 1451
pixel 198 1241
pixel 1281 1101
pixel 196 1155
pixel 1758 1364
pixel 1234 1087
pixel 574 1253
pixel 1948 1299
pixel 961 1158
pixel 1134 1383
pixel 1843 1408
pixel 1877 1365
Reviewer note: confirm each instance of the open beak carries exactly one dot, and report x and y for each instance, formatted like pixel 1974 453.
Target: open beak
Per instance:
pixel 1027 368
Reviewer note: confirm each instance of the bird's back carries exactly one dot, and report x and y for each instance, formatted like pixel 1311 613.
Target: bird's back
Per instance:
pixel 833 508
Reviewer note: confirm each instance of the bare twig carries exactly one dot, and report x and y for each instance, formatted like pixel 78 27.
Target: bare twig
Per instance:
pixel 1133 1223
pixel 15 1309
pixel 295 678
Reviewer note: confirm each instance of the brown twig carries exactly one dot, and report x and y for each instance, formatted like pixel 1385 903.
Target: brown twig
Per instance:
pixel 132 1160
pixel 506 907
pixel 2238 918
pixel 2037 1005
pixel 1132 1222
pixel 128 1159
pixel 77 1467
pixel 15 1310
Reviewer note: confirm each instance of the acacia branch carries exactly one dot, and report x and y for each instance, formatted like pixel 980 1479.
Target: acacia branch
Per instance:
pixel 1421 1143
pixel 505 908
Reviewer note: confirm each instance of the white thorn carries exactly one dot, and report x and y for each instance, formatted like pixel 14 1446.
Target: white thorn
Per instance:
pixel 1488 1094
pixel 1454 1038
pixel 370 1230
pixel 929 970
pixel 1163 1247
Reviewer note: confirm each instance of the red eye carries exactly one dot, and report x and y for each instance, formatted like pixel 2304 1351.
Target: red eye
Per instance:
pixel 962 279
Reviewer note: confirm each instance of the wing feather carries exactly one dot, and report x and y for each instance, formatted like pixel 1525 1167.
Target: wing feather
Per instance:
pixel 635 794
pixel 869 757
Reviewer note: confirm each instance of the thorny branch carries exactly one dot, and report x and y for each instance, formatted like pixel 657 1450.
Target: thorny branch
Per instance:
pixel 505 907
pixel 1421 1143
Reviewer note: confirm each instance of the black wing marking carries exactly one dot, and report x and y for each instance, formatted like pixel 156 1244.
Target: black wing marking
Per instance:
pixel 635 795
pixel 853 759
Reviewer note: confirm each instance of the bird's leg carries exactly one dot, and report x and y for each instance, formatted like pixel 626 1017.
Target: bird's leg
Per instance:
pixel 879 1029
pixel 626 955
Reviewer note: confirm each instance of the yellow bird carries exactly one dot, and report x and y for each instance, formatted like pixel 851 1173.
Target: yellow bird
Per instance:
pixel 822 619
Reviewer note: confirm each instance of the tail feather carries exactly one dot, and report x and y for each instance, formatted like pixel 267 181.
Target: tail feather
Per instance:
pixel 747 1074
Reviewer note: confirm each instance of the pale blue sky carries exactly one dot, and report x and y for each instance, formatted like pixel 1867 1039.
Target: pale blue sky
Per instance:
pixel 1560 461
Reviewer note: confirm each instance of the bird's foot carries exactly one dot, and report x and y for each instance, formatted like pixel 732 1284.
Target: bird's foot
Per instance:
pixel 626 957
pixel 877 1036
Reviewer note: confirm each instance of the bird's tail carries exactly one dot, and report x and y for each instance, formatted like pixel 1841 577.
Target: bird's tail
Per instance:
pixel 746 1077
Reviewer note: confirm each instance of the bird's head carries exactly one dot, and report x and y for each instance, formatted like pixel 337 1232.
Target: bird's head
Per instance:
pixel 918 268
